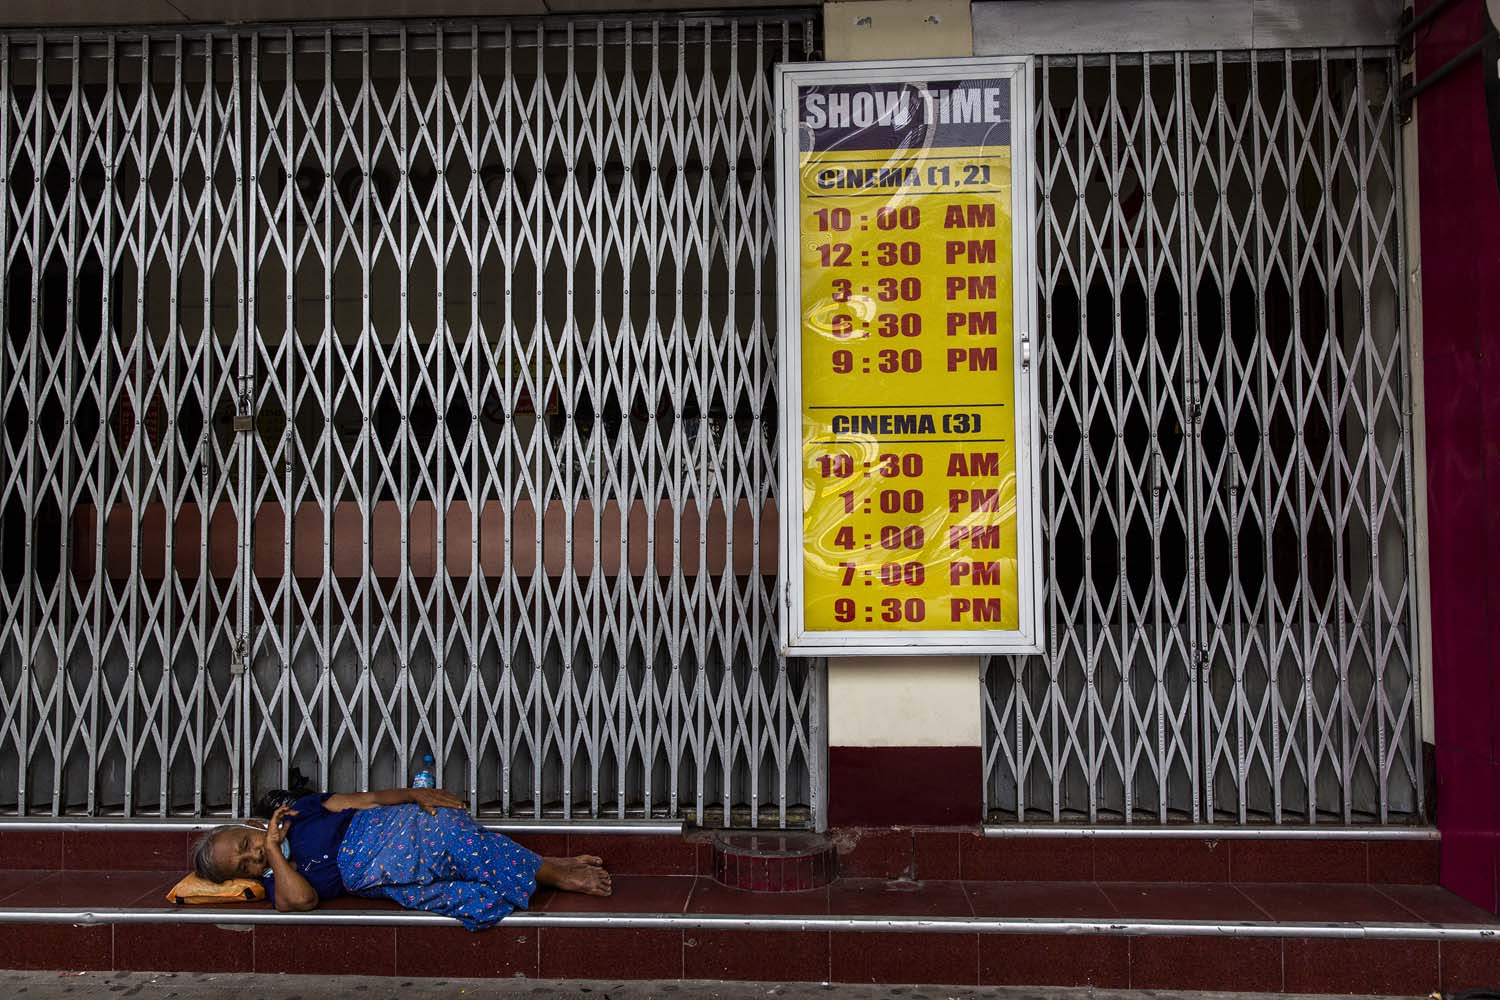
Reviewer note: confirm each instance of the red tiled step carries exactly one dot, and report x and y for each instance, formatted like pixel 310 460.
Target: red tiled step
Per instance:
pixel 1105 960
pixel 1140 935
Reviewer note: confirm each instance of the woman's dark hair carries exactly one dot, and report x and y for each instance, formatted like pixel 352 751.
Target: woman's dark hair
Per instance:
pixel 269 802
pixel 274 800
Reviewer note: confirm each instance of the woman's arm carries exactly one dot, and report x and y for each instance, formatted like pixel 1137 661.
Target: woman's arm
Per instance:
pixel 293 892
pixel 431 799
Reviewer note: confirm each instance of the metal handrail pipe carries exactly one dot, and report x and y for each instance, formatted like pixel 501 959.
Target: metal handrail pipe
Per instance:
pixel 738 922
pixel 1205 832
pixel 193 825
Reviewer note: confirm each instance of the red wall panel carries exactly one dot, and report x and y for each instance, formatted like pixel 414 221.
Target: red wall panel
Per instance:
pixel 1460 230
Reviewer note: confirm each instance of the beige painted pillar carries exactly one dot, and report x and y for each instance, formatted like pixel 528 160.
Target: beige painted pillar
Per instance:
pixel 903 732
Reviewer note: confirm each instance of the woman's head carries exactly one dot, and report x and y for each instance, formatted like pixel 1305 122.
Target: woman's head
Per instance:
pixel 232 851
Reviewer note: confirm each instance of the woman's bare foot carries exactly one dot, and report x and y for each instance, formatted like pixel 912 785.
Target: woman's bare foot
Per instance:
pixel 584 874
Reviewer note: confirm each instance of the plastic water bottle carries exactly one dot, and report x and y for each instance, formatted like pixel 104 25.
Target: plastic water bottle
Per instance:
pixel 425 777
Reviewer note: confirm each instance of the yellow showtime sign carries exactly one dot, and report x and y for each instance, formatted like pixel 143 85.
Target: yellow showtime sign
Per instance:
pixel 908 488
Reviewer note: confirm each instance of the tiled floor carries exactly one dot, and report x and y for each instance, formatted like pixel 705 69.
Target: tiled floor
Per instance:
pixel 872 897
pixel 1307 964
pixel 922 853
pixel 962 872
pixel 73 889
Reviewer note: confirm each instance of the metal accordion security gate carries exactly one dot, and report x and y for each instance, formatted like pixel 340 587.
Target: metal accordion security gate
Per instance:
pixel 374 391
pixel 1226 475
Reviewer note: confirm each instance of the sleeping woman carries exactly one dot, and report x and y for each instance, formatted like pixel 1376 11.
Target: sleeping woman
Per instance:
pixel 417 846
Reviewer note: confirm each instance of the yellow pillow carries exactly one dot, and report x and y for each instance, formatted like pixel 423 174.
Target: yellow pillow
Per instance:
pixel 193 889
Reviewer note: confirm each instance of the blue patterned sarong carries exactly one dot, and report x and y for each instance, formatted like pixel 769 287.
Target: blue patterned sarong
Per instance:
pixel 445 864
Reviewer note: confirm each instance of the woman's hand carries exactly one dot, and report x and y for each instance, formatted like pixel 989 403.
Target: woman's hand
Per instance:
pixel 433 799
pixel 293 892
pixel 276 830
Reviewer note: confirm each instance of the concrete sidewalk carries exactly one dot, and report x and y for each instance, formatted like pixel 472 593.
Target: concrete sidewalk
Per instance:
pixel 219 986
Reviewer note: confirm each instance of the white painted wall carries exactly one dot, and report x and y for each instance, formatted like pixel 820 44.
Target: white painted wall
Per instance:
pixel 1411 205
pixel 1049 27
pixel 916 701
pixel 896 29
pixel 904 701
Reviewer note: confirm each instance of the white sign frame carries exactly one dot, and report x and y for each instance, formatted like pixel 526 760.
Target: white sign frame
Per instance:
pixel 796 639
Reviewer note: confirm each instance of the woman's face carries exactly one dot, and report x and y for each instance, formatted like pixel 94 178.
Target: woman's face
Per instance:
pixel 240 852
